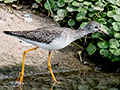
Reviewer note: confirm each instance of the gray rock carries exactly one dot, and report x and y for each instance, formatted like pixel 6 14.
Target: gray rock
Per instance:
pixel 83 87
pixel 90 81
pixel 113 89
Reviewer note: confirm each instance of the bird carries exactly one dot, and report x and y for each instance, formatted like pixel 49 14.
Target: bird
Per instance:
pixel 51 38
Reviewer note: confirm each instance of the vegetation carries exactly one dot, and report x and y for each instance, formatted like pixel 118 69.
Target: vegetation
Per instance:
pixel 8 1
pixel 106 12
pixel 77 13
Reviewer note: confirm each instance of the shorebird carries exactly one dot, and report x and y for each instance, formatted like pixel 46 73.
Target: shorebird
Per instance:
pixel 51 38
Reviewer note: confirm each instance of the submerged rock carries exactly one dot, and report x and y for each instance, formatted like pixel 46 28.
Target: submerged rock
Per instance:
pixel 83 87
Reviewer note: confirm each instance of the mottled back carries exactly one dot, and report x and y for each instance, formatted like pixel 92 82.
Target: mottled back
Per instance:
pixel 42 35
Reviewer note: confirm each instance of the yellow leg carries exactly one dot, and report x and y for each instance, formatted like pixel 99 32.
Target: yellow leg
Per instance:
pixel 22 72
pixel 49 67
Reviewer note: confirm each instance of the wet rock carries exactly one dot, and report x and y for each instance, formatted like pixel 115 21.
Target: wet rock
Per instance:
pixel 34 88
pixel 113 89
pixel 35 5
pixel 114 81
pixel 45 88
pixel 102 85
pixel 83 87
pixel 90 81
pixel 102 88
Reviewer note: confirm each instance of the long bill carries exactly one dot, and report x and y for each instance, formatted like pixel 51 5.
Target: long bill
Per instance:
pixel 105 33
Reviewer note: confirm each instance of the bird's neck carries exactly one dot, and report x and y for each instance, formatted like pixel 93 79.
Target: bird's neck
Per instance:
pixel 82 32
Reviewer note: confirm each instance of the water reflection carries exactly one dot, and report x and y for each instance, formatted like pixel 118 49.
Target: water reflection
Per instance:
pixel 22 86
pixel 52 86
pixel 69 81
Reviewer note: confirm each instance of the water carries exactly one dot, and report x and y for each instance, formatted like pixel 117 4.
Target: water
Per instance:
pixel 70 80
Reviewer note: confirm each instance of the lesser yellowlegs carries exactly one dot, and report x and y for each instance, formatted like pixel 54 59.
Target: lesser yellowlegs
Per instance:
pixel 52 38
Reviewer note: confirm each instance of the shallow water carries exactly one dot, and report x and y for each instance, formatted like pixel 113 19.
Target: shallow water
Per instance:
pixel 70 80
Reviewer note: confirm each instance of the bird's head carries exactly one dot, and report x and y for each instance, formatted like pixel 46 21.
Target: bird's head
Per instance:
pixel 93 26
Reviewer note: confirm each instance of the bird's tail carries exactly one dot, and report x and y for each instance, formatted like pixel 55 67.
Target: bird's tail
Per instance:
pixel 14 33
pixel 8 32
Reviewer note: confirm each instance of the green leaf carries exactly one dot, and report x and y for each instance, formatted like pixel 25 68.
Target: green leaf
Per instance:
pixel 111 13
pixel 91 49
pixel 112 1
pixel 99 6
pixel 102 20
pixel 103 44
pixel 113 6
pixel 117 17
pixel 110 20
pixel 115 51
pixel 71 22
pixel 118 2
pixel 116 26
pixel 81 14
pixel 117 35
pixel 77 4
pixel 60 3
pixel 9 1
pixel 104 1
pixel 46 6
pixel 96 35
pixel 67 1
pixel 82 9
pixel 87 3
pixel 38 1
pixel 62 13
pixel 83 24
pixel 80 0
pixel 70 8
pixel 111 56
pixel 113 43
pixel 91 14
pixel 51 2
pixel 104 52
pixel 106 29
pixel 117 11
pixel 86 7
pixel 103 14
pixel 91 9
pixel 115 58
pixel 55 7
pixel 119 41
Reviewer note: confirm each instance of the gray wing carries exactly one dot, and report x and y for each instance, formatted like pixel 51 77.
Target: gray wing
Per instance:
pixel 42 35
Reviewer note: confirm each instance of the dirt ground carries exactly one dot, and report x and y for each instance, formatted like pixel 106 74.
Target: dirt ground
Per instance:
pixel 63 61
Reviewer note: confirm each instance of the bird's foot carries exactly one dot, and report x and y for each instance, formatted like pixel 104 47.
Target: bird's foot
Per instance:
pixel 19 80
pixel 18 83
pixel 57 82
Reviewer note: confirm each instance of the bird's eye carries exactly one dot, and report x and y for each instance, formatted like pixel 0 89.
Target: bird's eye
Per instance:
pixel 96 27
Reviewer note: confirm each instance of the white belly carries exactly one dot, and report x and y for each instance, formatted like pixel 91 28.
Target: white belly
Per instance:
pixel 54 45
